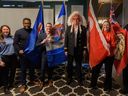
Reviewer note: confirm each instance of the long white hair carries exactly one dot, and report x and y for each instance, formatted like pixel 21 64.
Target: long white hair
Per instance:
pixel 82 19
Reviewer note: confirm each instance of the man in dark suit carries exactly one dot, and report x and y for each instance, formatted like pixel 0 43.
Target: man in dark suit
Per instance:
pixel 75 46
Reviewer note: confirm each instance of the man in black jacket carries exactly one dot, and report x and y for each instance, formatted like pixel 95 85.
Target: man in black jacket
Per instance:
pixel 75 46
pixel 20 39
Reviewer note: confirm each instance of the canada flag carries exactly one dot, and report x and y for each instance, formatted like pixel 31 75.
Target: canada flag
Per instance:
pixel 98 47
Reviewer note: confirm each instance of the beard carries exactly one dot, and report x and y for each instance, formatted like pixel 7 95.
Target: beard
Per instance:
pixel 27 27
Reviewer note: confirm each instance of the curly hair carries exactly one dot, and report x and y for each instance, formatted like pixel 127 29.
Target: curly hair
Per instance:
pixel 81 18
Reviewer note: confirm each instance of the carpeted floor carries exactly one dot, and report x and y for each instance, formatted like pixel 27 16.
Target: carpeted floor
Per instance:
pixel 60 88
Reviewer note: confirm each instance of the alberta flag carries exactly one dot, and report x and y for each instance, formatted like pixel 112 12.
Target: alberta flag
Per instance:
pixel 37 28
pixel 56 54
pixel 60 20
pixel 33 52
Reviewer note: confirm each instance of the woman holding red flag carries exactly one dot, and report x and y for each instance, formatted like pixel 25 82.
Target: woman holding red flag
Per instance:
pixel 108 61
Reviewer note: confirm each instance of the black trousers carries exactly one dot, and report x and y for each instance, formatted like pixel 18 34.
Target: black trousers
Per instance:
pixel 125 78
pixel 78 69
pixel 26 63
pixel 8 72
pixel 108 70
pixel 45 68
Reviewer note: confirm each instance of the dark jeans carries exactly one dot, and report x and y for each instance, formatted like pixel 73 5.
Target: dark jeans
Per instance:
pixel 125 78
pixel 108 70
pixel 25 63
pixel 8 72
pixel 44 67
pixel 78 60
pixel 4 76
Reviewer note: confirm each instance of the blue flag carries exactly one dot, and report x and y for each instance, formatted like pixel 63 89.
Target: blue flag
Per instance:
pixel 62 11
pixel 56 54
pixel 60 20
pixel 37 28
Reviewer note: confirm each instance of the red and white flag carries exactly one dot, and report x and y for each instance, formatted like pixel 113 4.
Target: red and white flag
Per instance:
pixel 98 47
pixel 121 64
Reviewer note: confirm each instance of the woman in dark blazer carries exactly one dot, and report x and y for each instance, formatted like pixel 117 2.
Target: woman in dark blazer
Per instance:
pixel 75 46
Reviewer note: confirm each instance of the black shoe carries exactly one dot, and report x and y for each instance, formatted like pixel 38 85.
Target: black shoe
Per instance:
pixel 123 92
pixel 108 89
pixel 6 91
pixel 68 82
pixel 0 85
pixel 12 86
pixel 80 83
pixel 94 87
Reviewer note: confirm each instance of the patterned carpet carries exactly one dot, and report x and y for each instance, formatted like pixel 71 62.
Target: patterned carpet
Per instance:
pixel 60 88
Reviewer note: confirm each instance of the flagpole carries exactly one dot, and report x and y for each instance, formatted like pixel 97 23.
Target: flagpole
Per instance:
pixel 123 15
pixel 64 18
pixel 42 2
pixel 64 1
pixel 111 4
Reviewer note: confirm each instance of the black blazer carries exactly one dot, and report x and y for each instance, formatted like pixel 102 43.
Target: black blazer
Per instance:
pixel 41 37
pixel 70 40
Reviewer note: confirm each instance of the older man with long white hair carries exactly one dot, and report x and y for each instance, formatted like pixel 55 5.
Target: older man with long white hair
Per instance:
pixel 75 45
